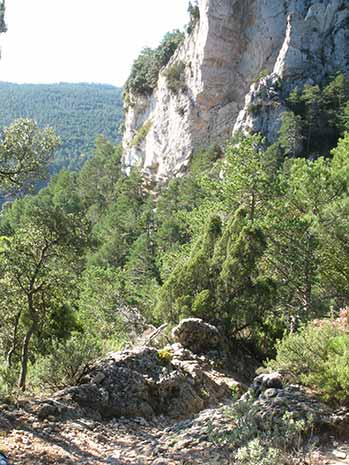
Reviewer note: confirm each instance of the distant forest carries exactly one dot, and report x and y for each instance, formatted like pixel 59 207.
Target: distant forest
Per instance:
pixel 77 113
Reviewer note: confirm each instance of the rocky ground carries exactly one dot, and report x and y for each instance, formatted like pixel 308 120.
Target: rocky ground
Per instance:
pixel 195 441
pixel 163 407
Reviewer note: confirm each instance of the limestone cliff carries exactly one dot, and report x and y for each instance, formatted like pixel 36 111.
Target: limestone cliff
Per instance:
pixel 235 41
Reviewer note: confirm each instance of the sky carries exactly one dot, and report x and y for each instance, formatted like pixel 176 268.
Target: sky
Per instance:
pixel 82 40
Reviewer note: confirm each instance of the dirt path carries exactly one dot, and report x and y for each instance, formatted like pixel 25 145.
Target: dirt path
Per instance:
pixel 132 442
pixel 119 442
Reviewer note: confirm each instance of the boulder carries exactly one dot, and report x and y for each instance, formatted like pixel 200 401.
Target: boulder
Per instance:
pixel 196 335
pixel 144 382
pixel 266 381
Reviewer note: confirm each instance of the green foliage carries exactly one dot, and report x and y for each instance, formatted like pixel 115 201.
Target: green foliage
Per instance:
pixel 97 178
pixel 141 134
pixel 271 441
pixel 254 108
pixel 66 363
pixel 317 356
pixel 320 115
pixel 250 240
pixel 220 281
pixel 25 151
pixel 38 272
pixel 262 74
pixel 76 112
pixel 168 46
pixel 177 296
pixel 121 223
pixel 175 77
pixel 145 70
pixel 144 74
pixel 290 135
pixel 194 16
pixel 102 293
pixel 280 260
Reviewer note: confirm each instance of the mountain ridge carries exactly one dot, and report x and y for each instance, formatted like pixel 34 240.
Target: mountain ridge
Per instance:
pixel 78 112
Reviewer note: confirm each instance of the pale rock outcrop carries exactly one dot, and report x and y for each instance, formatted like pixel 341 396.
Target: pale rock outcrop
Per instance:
pixel 316 46
pixel 196 335
pixel 293 41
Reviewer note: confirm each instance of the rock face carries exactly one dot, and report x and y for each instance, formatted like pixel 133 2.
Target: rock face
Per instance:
pixel 144 382
pixel 315 46
pixel 295 41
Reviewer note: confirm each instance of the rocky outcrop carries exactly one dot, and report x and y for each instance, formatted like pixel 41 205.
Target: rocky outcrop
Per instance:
pixel 315 46
pixel 144 382
pixel 271 399
pixel 292 41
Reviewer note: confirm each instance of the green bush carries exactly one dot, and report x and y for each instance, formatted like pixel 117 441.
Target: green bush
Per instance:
pixel 261 75
pixel 67 362
pixel 317 357
pixel 272 442
pixel 194 16
pixel 145 70
pixel 8 379
pixel 141 134
pixel 175 77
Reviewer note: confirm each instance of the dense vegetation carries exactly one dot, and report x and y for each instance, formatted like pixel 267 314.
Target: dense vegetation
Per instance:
pixel 77 113
pixel 317 116
pixel 254 239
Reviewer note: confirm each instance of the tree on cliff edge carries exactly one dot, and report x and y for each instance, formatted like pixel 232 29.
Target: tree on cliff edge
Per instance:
pixel 25 151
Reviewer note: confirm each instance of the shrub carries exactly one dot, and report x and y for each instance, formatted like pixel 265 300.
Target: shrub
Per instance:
pixel 263 73
pixel 8 379
pixel 141 134
pixel 66 364
pixel 254 108
pixel 145 70
pixel 317 356
pixel 194 16
pixel 275 442
pixel 175 77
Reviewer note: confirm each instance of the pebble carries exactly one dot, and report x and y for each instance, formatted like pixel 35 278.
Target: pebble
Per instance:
pixel 339 454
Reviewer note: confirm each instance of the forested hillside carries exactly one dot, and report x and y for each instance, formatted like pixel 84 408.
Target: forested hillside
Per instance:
pixel 238 266
pixel 253 239
pixel 77 112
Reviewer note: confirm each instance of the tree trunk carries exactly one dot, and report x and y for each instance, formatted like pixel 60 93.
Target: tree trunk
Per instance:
pixel 14 341
pixel 24 358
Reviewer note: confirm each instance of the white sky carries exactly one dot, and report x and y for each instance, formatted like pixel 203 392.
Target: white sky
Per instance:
pixel 82 40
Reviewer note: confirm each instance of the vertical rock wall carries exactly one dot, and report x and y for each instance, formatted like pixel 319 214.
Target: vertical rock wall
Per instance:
pixel 315 46
pixel 234 43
